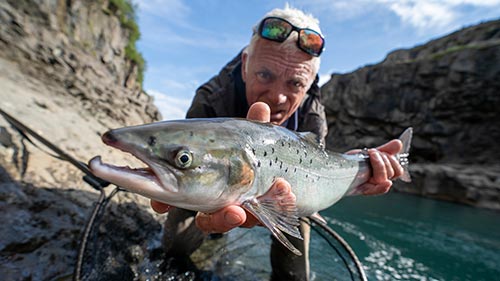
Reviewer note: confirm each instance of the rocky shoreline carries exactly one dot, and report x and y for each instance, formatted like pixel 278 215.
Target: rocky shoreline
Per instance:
pixel 64 73
pixel 447 90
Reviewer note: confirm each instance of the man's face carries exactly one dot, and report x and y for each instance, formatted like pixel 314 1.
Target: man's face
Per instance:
pixel 277 77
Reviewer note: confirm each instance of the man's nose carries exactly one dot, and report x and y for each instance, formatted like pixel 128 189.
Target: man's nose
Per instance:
pixel 278 96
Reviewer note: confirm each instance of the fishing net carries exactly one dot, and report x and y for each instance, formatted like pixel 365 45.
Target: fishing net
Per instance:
pixel 118 247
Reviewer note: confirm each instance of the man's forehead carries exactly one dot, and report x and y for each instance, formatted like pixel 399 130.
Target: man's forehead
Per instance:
pixel 268 55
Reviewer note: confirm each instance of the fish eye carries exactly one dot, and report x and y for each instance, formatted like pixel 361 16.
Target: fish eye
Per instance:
pixel 152 141
pixel 183 159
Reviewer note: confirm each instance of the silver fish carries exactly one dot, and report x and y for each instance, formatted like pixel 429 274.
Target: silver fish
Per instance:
pixel 206 164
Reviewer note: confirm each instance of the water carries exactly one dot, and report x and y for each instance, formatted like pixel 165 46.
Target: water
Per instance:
pixel 403 237
pixel 395 236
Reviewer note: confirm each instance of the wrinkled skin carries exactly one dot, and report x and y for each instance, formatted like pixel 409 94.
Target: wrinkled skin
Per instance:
pixel 385 168
pixel 276 82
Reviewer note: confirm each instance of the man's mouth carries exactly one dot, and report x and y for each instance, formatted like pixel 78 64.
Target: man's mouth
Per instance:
pixel 277 116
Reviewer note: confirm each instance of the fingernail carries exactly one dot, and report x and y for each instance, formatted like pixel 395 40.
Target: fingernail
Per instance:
pixel 233 219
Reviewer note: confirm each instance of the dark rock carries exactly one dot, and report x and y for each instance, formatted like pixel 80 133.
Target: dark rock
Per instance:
pixel 64 74
pixel 447 90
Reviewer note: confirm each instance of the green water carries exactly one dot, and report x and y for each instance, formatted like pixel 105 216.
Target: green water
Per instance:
pixel 403 237
pixel 395 236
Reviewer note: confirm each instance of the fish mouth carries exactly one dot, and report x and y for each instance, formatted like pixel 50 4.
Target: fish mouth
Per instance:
pixel 144 181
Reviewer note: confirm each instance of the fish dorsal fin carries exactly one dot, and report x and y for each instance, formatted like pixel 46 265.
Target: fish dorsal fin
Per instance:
pixel 311 137
pixel 276 209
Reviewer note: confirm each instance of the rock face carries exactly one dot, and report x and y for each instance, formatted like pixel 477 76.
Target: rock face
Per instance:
pixel 79 47
pixel 448 91
pixel 65 74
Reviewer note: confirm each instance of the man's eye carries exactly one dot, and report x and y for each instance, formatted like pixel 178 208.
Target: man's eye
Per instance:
pixel 297 85
pixel 264 77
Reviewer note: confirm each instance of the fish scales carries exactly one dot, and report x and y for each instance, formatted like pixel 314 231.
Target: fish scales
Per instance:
pixel 207 164
pixel 318 179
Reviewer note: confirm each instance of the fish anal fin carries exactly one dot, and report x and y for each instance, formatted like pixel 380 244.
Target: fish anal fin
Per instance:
pixel 319 217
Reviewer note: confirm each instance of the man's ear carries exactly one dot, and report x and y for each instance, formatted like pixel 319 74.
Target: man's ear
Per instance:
pixel 244 57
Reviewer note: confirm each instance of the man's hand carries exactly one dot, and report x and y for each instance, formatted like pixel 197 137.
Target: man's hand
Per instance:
pixel 385 168
pixel 232 216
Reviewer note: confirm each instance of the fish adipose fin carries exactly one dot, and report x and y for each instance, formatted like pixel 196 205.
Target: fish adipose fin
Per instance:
pixel 276 209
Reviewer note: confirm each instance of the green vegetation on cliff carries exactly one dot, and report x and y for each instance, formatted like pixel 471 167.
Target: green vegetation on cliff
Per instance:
pixel 126 12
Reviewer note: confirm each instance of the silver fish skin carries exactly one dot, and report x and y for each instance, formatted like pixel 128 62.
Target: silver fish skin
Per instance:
pixel 206 164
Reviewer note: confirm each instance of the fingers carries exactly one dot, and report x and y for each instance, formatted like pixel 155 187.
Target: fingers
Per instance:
pixel 375 189
pixel 379 169
pixel 259 111
pixel 221 221
pixel 160 207
pixel 389 168
pixel 397 168
pixel 392 147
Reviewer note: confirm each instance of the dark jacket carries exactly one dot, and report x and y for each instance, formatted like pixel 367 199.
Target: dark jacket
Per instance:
pixel 224 96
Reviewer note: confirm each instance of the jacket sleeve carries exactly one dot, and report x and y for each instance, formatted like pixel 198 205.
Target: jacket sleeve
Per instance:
pixel 313 118
pixel 209 101
pixel 201 107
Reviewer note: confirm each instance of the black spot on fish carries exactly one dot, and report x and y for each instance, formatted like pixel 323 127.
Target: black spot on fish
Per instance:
pixel 282 143
pixel 300 161
pixel 286 170
pixel 289 145
pixel 152 141
pixel 253 151
pixel 311 161
pixel 191 133
pixel 270 162
pixel 281 165
pixel 298 151
pixel 258 164
pixel 272 150
pixel 276 160
pixel 307 175
pixel 305 154
pixel 295 170
pixel 211 140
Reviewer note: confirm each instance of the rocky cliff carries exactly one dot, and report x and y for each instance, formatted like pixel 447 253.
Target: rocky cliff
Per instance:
pixel 69 71
pixel 448 90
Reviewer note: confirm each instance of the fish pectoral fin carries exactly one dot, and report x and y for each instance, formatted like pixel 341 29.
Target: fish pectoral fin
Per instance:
pixel 270 222
pixel 276 209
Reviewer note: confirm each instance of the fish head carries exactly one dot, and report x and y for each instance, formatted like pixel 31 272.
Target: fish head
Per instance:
pixel 193 165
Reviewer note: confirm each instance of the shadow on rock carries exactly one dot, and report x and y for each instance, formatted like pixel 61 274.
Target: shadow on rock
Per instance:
pixel 44 229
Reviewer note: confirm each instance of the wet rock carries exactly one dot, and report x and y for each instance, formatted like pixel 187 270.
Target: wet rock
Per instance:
pixel 447 90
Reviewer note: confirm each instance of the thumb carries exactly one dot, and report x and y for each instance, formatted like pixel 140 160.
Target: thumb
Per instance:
pixel 259 111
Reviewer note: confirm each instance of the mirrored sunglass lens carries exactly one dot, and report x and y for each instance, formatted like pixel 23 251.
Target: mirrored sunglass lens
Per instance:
pixel 276 29
pixel 311 41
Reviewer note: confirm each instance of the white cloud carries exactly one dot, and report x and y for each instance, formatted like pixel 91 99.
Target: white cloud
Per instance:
pixel 165 23
pixel 170 10
pixel 423 15
pixel 171 108
pixel 323 78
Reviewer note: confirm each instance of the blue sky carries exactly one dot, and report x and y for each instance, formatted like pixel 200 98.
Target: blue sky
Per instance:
pixel 185 43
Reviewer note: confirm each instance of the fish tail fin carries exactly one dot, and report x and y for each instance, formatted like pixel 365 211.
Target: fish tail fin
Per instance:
pixel 402 156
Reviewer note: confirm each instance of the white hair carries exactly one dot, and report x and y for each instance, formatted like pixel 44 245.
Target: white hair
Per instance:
pixel 295 17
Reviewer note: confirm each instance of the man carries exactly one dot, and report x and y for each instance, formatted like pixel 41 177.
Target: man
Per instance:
pixel 277 75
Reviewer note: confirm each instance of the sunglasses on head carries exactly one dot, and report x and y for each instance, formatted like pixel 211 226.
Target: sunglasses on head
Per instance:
pixel 278 29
